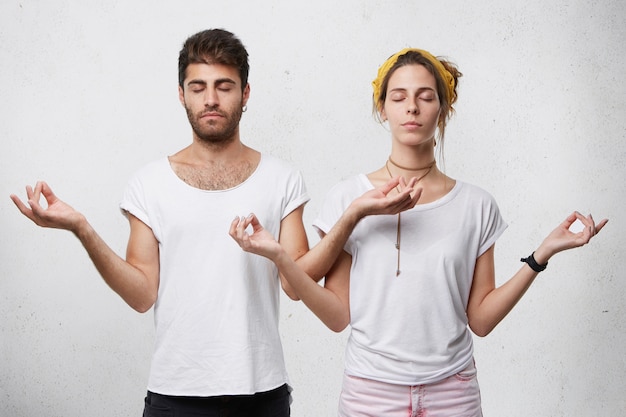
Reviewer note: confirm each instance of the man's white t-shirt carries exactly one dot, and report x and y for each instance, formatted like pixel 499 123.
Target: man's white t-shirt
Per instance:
pixel 216 315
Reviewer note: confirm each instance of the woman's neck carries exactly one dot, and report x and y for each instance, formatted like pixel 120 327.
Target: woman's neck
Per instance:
pixel 412 158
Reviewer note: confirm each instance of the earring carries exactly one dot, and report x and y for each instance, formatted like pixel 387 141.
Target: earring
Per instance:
pixel 244 108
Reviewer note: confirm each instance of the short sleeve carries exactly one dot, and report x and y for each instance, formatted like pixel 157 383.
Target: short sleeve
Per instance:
pixel 134 202
pixel 493 225
pixel 296 193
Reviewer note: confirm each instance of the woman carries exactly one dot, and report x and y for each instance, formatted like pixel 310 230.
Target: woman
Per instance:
pixel 412 285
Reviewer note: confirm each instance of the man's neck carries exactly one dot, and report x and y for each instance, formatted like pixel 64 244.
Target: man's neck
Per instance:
pixel 211 167
pixel 201 152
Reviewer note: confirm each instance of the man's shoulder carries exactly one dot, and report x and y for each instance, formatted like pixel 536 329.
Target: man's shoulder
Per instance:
pixel 155 165
pixel 272 159
pixel 275 163
pixel 150 171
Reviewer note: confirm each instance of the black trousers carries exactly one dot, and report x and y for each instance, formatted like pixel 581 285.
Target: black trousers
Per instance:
pixel 274 403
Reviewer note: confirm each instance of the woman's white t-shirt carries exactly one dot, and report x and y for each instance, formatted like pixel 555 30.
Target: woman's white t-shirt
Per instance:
pixel 412 329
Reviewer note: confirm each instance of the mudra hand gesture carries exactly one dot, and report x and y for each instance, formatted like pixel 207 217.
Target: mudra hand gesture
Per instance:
pixel 58 214
pixel 377 201
pixel 562 238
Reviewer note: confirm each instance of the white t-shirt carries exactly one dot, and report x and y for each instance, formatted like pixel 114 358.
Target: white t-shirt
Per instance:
pixel 412 329
pixel 216 315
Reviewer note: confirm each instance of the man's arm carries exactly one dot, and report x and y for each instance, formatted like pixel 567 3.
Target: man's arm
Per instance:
pixel 293 239
pixel 136 279
pixel 318 261
pixel 329 303
pixel 293 243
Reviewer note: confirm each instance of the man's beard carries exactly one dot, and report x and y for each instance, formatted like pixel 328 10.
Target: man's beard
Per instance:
pixel 212 133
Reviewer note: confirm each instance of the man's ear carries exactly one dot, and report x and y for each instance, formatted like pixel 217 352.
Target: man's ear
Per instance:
pixel 246 94
pixel 181 95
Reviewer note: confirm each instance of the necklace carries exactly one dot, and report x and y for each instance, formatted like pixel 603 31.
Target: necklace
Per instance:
pixel 399 224
pixel 430 164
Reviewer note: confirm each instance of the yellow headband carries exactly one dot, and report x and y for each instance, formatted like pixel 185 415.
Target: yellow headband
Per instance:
pixel 384 69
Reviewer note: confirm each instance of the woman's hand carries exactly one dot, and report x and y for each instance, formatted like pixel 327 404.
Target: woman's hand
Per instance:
pixel 562 238
pixel 380 201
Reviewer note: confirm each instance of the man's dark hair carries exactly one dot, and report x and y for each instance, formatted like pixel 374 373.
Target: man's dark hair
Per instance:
pixel 214 46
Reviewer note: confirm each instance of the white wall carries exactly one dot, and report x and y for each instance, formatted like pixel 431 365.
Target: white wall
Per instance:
pixel 89 94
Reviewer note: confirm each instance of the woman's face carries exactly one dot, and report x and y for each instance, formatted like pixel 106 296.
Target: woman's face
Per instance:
pixel 412 105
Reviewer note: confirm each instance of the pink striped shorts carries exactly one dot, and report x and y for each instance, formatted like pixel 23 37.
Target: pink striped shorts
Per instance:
pixel 455 396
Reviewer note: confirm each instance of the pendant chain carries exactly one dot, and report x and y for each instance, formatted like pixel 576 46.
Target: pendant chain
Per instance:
pixel 399 224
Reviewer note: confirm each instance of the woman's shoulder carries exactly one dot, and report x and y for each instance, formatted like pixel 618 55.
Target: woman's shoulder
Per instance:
pixel 348 188
pixel 475 194
pixel 472 188
pixel 355 183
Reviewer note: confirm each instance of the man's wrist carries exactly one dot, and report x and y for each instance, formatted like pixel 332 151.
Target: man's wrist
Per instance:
pixel 82 228
pixel 280 256
pixel 353 214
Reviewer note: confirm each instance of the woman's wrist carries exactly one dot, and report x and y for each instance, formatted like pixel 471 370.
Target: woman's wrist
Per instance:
pixel 533 264
pixel 542 255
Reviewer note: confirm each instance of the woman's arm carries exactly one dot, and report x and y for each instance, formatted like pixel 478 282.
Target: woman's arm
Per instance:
pixel 488 305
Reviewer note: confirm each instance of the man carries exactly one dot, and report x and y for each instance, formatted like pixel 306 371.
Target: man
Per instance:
pixel 216 308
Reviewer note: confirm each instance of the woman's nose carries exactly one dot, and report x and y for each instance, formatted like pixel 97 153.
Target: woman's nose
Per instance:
pixel 413 108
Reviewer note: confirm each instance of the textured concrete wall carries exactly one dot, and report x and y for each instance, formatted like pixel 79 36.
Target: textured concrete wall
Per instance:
pixel 89 94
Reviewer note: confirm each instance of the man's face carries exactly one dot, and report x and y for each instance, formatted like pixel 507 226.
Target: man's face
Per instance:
pixel 213 99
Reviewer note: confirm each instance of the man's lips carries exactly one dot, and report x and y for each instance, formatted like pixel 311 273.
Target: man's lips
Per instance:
pixel 211 114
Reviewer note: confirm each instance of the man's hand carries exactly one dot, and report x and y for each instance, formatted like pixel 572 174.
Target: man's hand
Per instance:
pixel 58 214
pixel 260 242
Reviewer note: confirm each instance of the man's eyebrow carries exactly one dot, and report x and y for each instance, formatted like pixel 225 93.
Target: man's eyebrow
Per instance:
pixel 225 80
pixel 216 82
pixel 197 82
